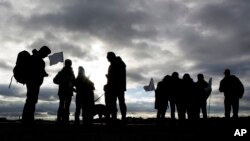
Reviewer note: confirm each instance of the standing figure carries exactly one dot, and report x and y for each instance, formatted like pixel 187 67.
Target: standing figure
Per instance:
pixel 65 79
pixel 84 97
pixel 191 99
pixel 174 96
pixel 161 97
pixel 233 90
pixel 201 85
pixel 116 85
pixel 35 80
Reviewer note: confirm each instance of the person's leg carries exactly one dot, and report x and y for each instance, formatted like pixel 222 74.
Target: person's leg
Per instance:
pixel 60 111
pixel 29 107
pixel 122 105
pixel 113 106
pixel 172 109
pixel 227 106
pixel 235 105
pixel 181 111
pixel 204 109
pixel 77 114
pixel 67 109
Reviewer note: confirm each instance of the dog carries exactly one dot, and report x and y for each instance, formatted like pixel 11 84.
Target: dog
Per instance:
pixel 102 112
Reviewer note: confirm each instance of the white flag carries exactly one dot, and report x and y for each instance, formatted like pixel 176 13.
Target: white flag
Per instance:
pixel 151 86
pixel 55 58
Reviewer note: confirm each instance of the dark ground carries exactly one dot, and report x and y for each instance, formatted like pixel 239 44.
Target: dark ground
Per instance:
pixel 135 130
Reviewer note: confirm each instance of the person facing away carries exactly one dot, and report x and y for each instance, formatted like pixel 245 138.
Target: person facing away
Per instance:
pixel 161 97
pixel 233 90
pixel 190 98
pixel 201 85
pixel 35 80
pixel 175 92
pixel 84 97
pixel 65 79
pixel 116 85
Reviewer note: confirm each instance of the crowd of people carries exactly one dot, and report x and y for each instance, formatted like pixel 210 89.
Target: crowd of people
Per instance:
pixel 187 96
pixel 81 85
pixel 190 97
pixel 84 88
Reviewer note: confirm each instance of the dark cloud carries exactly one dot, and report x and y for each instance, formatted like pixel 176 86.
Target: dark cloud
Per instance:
pixel 96 18
pixel 155 38
pixel 11 108
pixel 55 44
pixel 48 94
pixel 13 91
pixel 222 30
pixel 5 4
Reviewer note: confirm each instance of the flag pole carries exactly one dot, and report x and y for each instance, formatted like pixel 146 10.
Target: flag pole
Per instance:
pixel 209 105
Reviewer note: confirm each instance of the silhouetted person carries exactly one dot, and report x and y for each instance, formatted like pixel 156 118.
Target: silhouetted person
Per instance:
pixel 161 97
pixel 201 85
pixel 116 85
pixel 190 98
pixel 65 79
pixel 84 97
pixel 176 86
pixel 182 92
pixel 35 80
pixel 109 102
pixel 233 90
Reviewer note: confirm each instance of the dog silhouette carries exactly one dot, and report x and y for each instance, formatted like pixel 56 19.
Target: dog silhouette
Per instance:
pixel 101 111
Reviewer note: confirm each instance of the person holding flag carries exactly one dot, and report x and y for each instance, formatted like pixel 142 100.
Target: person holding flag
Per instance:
pixel 65 80
pixel 161 98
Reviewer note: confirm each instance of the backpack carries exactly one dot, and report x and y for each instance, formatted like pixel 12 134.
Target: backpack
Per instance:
pixel 239 88
pixel 21 69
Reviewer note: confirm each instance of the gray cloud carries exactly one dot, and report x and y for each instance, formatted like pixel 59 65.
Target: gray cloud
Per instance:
pixel 4 65
pixel 155 38
pixel 13 91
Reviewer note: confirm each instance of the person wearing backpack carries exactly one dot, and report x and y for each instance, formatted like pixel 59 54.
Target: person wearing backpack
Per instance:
pixel 33 82
pixel 233 90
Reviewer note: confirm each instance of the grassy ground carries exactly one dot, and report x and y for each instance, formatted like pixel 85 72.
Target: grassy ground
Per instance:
pixel 135 130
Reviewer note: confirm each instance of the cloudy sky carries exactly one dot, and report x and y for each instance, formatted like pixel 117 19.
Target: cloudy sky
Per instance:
pixel 153 37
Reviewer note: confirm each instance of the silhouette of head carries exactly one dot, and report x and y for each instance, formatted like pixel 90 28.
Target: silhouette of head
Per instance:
pixel 186 76
pixel 200 77
pixel 175 75
pixel 68 63
pixel 111 56
pixel 166 78
pixel 81 70
pixel 227 72
pixel 44 51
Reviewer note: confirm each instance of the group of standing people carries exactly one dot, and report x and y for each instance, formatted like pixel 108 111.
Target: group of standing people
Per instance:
pixel 84 88
pixel 187 96
pixel 190 98
pixel 81 85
